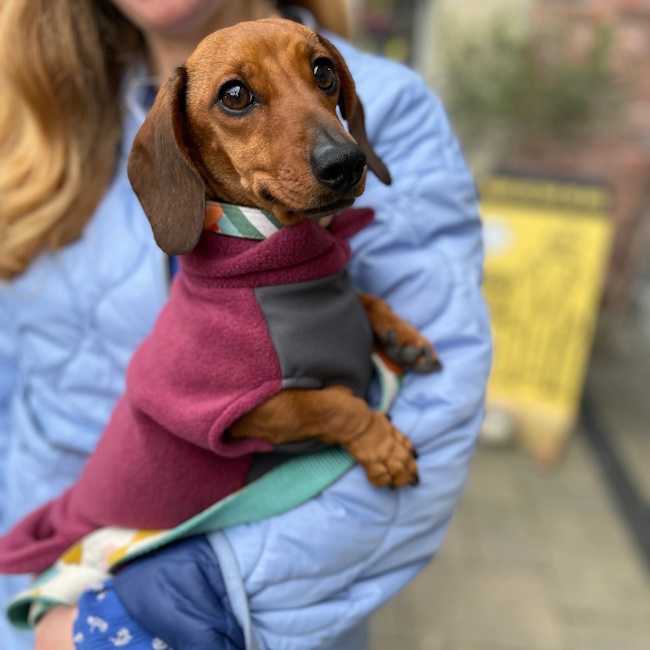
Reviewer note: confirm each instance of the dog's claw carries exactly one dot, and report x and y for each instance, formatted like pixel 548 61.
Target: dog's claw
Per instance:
pixel 428 364
pixel 393 352
pixel 410 353
pixel 415 454
pixel 391 347
pixel 389 338
pixel 416 480
pixel 420 359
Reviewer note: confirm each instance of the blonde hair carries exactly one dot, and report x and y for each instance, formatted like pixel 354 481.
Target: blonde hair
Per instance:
pixel 61 62
pixel 60 69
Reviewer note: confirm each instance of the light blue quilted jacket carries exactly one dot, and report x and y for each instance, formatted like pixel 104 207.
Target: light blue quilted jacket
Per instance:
pixel 309 578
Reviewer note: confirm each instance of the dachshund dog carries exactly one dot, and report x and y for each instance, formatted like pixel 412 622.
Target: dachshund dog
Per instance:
pixel 260 129
pixel 251 120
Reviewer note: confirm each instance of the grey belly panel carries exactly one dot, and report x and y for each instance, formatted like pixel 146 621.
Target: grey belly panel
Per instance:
pixel 322 336
pixel 320 332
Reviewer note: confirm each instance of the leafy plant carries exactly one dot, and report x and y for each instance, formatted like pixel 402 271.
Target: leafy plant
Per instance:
pixel 509 87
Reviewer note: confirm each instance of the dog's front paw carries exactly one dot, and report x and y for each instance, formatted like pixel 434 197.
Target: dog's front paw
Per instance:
pixel 399 340
pixel 406 347
pixel 386 454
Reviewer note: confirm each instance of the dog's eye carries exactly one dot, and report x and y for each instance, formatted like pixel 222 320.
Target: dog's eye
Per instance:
pixel 235 96
pixel 325 75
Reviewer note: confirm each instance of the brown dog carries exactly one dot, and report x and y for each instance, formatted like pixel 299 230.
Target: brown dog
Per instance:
pixel 260 129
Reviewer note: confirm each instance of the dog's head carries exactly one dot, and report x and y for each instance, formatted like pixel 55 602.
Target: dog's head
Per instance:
pixel 251 119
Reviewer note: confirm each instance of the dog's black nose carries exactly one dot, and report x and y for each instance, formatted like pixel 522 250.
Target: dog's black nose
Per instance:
pixel 338 165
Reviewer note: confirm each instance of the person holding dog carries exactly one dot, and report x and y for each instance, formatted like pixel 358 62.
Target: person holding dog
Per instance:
pixel 86 282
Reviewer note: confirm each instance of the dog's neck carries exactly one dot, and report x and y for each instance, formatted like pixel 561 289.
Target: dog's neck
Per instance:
pixel 239 221
pixel 244 222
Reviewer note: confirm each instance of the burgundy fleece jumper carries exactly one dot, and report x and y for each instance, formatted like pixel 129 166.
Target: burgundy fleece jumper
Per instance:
pixel 163 457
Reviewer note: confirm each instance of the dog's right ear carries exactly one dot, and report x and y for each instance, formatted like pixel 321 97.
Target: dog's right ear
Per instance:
pixel 352 113
pixel 162 174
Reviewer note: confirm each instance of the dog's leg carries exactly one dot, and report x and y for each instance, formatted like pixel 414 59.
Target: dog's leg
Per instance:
pixel 337 417
pixel 402 343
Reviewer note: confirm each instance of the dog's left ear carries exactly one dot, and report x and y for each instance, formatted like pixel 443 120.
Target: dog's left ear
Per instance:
pixel 352 112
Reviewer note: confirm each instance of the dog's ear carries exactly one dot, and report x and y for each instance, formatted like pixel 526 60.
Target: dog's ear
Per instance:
pixel 352 113
pixel 162 174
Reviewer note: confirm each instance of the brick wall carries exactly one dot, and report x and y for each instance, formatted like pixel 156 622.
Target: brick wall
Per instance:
pixel 620 155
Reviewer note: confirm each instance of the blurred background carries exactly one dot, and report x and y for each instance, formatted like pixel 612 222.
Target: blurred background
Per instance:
pixel 550 547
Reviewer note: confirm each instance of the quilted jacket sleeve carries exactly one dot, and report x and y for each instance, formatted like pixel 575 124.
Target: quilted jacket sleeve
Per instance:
pixel 8 377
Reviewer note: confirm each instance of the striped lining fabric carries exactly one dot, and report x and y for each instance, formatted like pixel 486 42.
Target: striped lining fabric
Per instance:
pixel 240 221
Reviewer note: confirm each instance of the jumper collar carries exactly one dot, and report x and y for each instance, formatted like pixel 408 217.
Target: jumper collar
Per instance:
pixel 245 223
pixel 240 221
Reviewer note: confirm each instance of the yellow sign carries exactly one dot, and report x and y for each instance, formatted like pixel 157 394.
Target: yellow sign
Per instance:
pixel 547 246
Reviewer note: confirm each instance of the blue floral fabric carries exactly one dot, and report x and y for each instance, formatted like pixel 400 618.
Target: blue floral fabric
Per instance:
pixel 103 623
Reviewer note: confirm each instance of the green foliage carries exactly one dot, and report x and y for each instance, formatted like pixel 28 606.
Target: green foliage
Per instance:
pixel 513 88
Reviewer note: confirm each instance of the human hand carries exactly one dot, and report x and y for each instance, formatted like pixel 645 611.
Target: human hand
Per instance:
pixel 54 631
